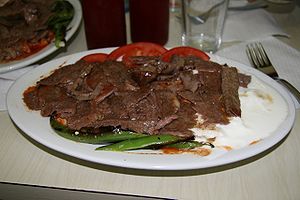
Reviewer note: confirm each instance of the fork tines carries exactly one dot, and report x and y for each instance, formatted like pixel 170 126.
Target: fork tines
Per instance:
pixel 256 53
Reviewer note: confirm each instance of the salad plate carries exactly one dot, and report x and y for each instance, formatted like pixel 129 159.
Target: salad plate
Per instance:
pixel 39 129
pixel 73 26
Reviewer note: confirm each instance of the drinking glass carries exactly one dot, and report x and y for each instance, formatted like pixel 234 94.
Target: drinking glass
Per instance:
pixel 149 21
pixel 104 22
pixel 203 22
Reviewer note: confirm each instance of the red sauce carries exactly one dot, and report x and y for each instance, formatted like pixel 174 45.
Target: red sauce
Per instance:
pixel 61 121
pixel 29 49
pixel 228 148
pixel 29 90
pixel 255 142
pixel 198 151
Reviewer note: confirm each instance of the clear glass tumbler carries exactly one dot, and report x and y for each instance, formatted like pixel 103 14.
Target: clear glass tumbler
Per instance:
pixel 203 22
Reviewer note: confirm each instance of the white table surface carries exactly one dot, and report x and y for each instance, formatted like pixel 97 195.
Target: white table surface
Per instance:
pixel 274 174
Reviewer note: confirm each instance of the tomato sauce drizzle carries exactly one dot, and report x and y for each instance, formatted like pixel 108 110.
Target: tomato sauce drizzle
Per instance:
pixel 197 151
pixel 29 49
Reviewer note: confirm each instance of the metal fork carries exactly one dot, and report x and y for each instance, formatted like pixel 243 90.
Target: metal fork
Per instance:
pixel 257 55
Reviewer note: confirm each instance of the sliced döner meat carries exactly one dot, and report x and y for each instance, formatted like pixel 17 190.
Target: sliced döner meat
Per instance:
pixel 180 95
pixel 50 99
pixel 230 95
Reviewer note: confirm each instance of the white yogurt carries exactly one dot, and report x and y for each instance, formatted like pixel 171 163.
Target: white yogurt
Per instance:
pixel 263 110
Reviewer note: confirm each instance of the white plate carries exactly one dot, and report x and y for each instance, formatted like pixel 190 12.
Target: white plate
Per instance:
pixel 73 26
pixel 38 127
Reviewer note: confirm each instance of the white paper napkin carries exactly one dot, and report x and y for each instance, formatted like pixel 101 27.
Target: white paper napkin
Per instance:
pixel 250 24
pixel 286 60
pixel 6 80
pixel 245 4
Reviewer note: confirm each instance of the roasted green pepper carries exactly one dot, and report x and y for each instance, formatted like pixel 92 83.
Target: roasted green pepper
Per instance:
pixel 124 140
pixel 140 143
pixel 114 136
pixel 188 145
pixel 63 13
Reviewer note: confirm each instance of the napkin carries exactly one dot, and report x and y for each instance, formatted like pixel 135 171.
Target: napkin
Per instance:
pixel 6 80
pixel 286 60
pixel 246 4
pixel 250 24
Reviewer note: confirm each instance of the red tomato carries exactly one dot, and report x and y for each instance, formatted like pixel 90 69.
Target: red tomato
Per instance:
pixel 137 49
pixel 95 57
pixel 184 51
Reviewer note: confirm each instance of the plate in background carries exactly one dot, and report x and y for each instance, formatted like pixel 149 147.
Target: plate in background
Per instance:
pixel 73 26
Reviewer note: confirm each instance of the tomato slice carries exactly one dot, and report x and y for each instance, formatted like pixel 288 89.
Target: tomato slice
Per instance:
pixel 95 57
pixel 184 51
pixel 137 49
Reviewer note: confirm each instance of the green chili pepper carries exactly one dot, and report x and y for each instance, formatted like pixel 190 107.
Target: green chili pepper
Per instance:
pixel 114 136
pixel 188 145
pixel 59 21
pixel 140 143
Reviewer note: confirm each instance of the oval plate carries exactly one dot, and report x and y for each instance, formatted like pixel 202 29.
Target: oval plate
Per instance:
pixel 38 128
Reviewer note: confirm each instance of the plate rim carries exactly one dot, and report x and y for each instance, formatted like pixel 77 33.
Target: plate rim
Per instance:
pixel 48 50
pixel 126 161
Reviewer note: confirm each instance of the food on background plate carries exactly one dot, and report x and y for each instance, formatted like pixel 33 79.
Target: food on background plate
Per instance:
pixel 27 27
pixel 178 105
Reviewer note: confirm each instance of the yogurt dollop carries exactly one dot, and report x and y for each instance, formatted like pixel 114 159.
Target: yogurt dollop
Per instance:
pixel 263 110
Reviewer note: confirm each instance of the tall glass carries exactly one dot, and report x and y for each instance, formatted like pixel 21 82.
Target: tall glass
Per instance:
pixel 149 21
pixel 203 22
pixel 104 23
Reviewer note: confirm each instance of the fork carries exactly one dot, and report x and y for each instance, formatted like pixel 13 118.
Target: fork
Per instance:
pixel 258 56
